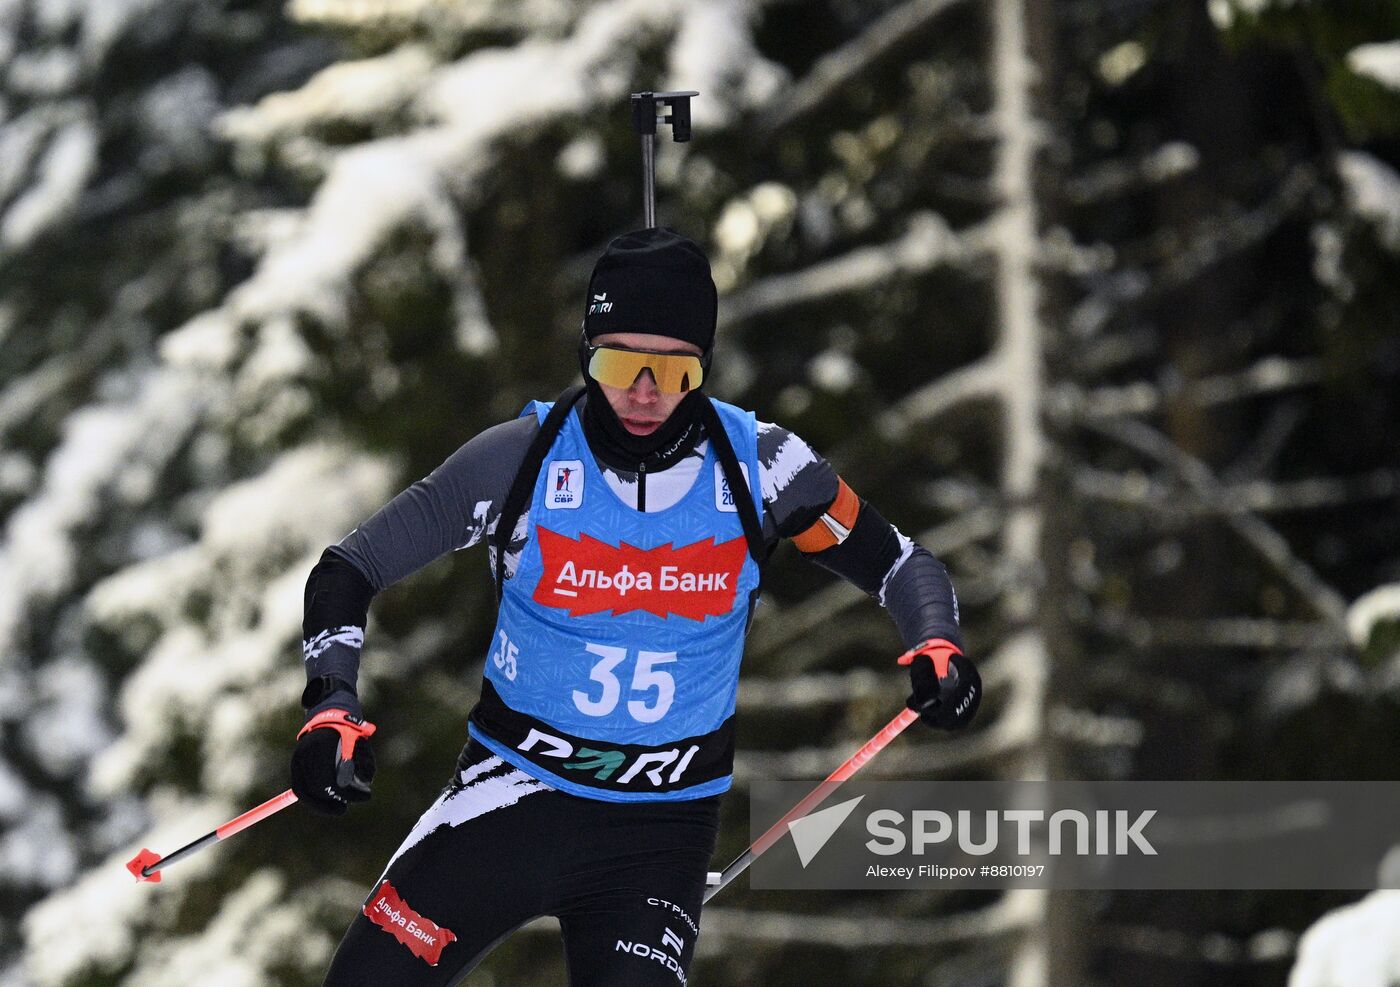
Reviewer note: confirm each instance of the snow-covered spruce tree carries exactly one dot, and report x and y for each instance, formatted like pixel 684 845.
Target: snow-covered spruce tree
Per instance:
pixel 1146 371
pixel 119 221
pixel 1001 260
pixel 350 343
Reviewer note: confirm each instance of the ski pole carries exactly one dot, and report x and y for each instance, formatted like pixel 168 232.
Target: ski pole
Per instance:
pixel 146 865
pixel 644 121
pixel 718 880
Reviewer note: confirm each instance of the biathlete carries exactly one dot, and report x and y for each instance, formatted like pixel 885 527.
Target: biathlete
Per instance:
pixel 627 524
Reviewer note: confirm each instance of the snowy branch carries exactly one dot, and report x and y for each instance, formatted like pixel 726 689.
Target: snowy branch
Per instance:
pixel 836 71
pixel 1232 234
pixel 1225 632
pixel 970 383
pixel 1259 496
pixel 475 107
pixel 442 18
pixel 927 243
pixel 778 630
pixel 1268 543
pixel 1354 946
pixel 1373 193
pixel 1115 178
pixel 1270 375
pixel 1015 670
pixel 1087 728
pixel 1007 915
pixel 1215 948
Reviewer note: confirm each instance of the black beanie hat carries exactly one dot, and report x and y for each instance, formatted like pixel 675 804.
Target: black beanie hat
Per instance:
pixel 653 281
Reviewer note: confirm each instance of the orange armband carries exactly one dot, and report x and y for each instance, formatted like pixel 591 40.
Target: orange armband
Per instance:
pixel 833 527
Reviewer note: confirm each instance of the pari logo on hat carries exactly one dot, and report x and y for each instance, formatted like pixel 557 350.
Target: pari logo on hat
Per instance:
pixel 653 281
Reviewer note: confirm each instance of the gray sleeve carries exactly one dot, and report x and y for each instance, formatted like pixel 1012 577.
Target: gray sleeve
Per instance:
pixel 920 597
pixel 450 508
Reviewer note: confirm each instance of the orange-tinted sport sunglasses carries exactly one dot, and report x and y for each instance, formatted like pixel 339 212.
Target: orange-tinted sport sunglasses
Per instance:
pixel 674 372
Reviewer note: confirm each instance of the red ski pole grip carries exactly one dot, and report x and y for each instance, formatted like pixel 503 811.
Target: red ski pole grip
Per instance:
pixel 350 727
pixel 939 650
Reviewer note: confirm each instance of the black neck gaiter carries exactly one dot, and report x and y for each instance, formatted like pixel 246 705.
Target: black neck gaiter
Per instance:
pixel 610 441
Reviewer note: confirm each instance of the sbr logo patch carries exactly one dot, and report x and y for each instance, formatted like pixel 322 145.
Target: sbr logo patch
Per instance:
pixel 564 485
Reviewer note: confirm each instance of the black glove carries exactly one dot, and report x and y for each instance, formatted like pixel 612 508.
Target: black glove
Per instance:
pixel 947 688
pixel 333 764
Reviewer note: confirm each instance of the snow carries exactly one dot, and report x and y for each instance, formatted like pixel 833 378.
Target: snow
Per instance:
pixel 66 726
pixel 714 54
pixel 12 974
pixel 177 113
pixel 745 225
pixel 38 851
pixel 55 17
pixel 834 371
pixel 1353 946
pixel 216 620
pixel 1170 160
pixel 1121 62
pixel 101 444
pixel 581 159
pixel 157 588
pixel 107 905
pixel 209 341
pixel 11 18
pixel 17 473
pixel 256 929
pixel 371 191
pixel 13 793
pixel 281 355
pixel 1370 609
pixel 746 220
pixel 274 508
pixel 379 186
pixel 1380 62
pixel 43 74
pixel 20 140
pixel 1329 247
pixel 737 229
pixel 364 91
pixel 65 167
pixel 1373 189
pixel 258 540
pixel 105 22
pixel 450 17
pixel 1224 12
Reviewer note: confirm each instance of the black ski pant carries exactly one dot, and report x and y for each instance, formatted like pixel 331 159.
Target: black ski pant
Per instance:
pixel 499 848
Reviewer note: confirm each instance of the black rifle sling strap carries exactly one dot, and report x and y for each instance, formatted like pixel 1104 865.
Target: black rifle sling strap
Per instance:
pixel 524 483
pixel 738 486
